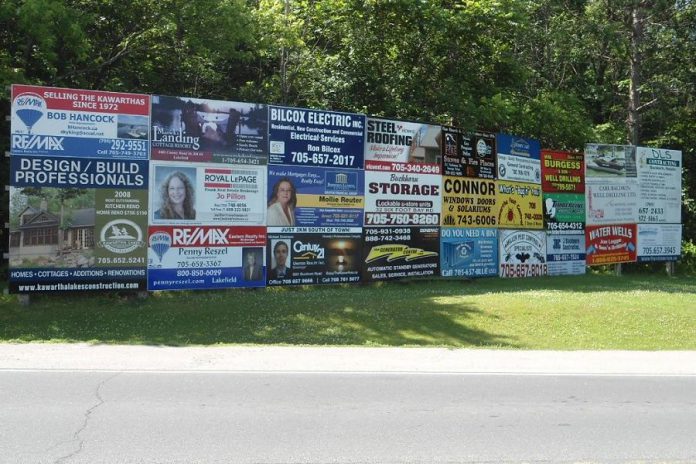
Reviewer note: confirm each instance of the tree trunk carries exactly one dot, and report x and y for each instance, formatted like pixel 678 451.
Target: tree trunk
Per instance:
pixel 637 35
pixel 284 58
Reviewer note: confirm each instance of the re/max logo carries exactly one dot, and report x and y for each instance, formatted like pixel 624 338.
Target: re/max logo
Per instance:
pixel 37 142
pixel 201 237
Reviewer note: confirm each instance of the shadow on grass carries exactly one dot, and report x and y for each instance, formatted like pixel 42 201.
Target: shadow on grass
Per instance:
pixel 391 314
pixel 589 283
pixel 381 315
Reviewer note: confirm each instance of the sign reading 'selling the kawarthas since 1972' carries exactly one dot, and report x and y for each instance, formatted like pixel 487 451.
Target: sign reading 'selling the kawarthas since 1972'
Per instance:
pixel 50 121
pixel 79 190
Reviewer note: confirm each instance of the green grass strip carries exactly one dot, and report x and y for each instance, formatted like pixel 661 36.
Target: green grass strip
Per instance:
pixel 633 312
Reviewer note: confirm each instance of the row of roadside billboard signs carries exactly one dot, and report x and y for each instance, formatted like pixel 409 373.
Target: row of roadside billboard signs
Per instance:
pixel 113 191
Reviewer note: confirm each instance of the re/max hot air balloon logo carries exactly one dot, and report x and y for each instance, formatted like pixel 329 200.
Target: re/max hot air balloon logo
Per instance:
pixel 29 108
pixel 160 243
pixel 121 236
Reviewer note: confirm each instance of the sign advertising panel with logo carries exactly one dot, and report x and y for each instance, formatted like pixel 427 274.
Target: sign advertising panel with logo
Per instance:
pixel 612 201
pixel 659 242
pixel 468 155
pixel 610 244
pixel 301 196
pixel 78 199
pixel 65 239
pixel 194 129
pixel 207 194
pixel 402 199
pixel 562 172
pixel 659 178
pixel 206 257
pixel 48 121
pixel 391 253
pixel 468 252
pixel 308 137
pixel 519 205
pixel 565 254
pixel 468 202
pixel 518 159
pixel 299 257
pixel 564 213
pixel 401 146
pixel 522 253
pixel 611 184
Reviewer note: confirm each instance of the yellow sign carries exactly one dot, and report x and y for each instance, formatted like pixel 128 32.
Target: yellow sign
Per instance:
pixel 468 202
pixel 396 251
pixel 520 205
pixel 330 201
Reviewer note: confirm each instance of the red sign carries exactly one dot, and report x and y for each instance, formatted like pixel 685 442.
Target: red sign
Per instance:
pixel 211 236
pixel 87 100
pixel 611 244
pixel 562 172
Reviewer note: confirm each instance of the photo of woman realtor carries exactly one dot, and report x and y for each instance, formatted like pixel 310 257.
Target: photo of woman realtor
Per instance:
pixel 177 198
pixel 281 205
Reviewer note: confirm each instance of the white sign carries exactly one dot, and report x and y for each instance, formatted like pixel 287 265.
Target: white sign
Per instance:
pixel 611 201
pixel 611 184
pixel 522 253
pixel 207 194
pixel 402 199
pixel 659 177
pixel 565 254
pixel 518 169
pixel 659 242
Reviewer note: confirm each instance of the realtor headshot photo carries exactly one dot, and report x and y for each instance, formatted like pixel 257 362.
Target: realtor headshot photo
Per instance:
pixel 282 203
pixel 252 257
pixel 280 260
pixel 175 194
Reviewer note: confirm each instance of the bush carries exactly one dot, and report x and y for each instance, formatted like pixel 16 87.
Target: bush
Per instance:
pixel 687 263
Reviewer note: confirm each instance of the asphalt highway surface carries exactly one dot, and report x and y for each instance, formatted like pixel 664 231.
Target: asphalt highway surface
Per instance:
pixel 96 413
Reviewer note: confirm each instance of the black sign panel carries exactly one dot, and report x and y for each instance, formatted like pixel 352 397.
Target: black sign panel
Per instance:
pixel 313 258
pixel 399 252
pixel 468 155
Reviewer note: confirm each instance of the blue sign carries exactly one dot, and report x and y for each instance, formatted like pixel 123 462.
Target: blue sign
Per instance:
pixel 49 121
pixel 203 278
pixel 316 138
pixel 469 252
pixel 519 159
pixel 29 280
pixel 199 257
pixel 33 171
pixel 315 197
pixel 518 146
pixel 565 254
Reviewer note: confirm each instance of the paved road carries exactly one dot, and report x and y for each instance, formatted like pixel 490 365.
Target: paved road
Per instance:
pixel 185 417
pixel 92 404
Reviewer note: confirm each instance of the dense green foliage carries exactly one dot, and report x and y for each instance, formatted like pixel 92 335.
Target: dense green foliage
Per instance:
pixel 556 70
